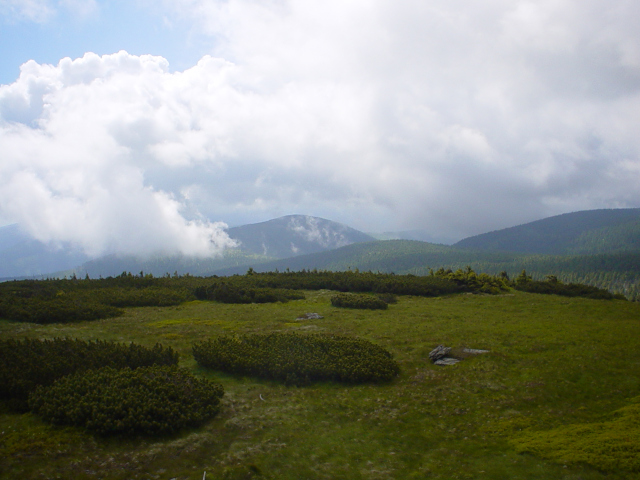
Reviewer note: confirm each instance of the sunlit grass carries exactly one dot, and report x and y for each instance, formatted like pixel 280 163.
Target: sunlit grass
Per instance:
pixel 553 362
pixel 612 445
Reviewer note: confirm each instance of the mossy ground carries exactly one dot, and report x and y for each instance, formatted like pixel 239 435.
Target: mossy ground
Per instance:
pixel 554 363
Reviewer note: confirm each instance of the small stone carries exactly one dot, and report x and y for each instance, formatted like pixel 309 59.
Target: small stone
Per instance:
pixel 310 316
pixel 474 351
pixel 439 352
pixel 446 361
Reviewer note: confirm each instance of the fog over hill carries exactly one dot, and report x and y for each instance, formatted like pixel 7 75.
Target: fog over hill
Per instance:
pixel 294 235
pixel 302 241
pixel 284 237
pixel 23 256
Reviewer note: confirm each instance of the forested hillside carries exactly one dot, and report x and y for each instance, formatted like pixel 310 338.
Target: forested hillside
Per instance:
pixel 113 265
pixel 587 232
pixel 397 256
pixel 619 273
pixel 599 248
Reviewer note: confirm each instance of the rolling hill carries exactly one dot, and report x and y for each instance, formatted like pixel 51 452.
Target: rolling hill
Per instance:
pixel 578 233
pixel 279 238
pixel 617 272
pixel 21 256
pixel 598 247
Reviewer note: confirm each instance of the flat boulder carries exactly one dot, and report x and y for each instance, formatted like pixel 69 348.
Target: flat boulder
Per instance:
pixel 446 361
pixel 310 316
pixel 439 352
pixel 441 355
pixel 474 351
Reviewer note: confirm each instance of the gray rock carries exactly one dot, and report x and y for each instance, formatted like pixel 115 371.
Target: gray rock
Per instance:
pixel 446 361
pixel 439 352
pixel 310 316
pixel 474 351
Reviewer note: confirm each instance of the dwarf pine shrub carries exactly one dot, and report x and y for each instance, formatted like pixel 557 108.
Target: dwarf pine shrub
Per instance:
pixel 298 359
pixel 154 400
pixel 59 309
pixel 551 287
pixel 228 292
pixel 25 364
pixel 357 300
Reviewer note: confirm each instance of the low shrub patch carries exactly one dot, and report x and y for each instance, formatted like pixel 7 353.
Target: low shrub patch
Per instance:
pixel 565 289
pixel 356 300
pixel 298 359
pixel 142 297
pixel 230 293
pixel 25 364
pixel 388 298
pixel 149 400
pixel 553 286
pixel 59 309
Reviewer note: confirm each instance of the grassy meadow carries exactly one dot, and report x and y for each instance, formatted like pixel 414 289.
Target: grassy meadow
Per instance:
pixel 557 396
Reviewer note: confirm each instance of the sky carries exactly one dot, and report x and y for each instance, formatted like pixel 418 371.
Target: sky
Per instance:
pixel 146 126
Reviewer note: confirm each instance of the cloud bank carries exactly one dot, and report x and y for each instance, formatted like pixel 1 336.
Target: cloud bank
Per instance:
pixel 79 140
pixel 456 118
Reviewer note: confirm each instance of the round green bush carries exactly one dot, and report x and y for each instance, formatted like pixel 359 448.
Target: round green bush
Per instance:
pixel 298 359
pixel 25 364
pixel 148 400
pixel 357 300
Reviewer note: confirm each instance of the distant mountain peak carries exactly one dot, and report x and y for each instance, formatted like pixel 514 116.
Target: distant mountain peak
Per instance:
pixel 317 230
pixel 294 235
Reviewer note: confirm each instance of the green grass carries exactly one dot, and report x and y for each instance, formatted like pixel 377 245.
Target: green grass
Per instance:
pixel 555 364
pixel 610 445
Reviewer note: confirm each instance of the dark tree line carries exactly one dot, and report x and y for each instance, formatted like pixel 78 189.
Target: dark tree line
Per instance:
pixel 75 300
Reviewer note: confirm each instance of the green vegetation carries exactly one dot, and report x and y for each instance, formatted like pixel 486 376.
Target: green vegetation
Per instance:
pixel 29 363
pixel 616 239
pixel 155 400
pixel 473 282
pixel 58 309
pixel 235 292
pixel 613 445
pixel 616 272
pixel 561 371
pixel 349 281
pixel 298 359
pixel 74 300
pixel 552 286
pixel 355 300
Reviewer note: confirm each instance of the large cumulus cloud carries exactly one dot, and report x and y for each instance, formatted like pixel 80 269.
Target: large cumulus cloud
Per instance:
pixel 455 117
pixel 79 140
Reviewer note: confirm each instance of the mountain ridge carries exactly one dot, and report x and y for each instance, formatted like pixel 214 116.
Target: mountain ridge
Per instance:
pixel 598 247
pixel 583 232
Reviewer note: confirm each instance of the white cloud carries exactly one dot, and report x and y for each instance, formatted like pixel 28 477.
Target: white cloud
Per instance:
pixel 38 11
pixel 69 178
pixel 455 117
pixel 42 11
pixel 80 8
